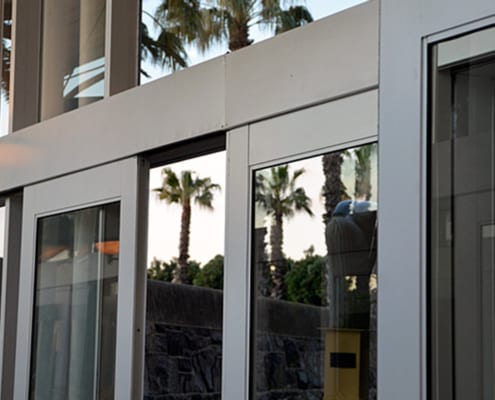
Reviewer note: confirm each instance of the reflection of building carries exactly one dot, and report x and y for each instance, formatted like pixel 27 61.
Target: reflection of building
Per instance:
pixel 301 94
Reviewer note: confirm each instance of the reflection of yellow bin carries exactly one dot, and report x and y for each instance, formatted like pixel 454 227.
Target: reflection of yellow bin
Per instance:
pixel 342 364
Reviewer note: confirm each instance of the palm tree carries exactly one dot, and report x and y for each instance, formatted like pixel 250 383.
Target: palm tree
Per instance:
pixel 166 50
pixel 278 195
pixel 362 170
pixel 333 190
pixel 6 34
pixel 183 191
pixel 216 21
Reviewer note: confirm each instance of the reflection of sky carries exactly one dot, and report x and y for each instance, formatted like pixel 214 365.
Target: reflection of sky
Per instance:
pixel 318 9
pixel 83 73
pixel 303 231
pixel 207 228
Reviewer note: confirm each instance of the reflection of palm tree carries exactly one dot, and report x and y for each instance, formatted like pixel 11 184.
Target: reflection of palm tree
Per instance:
pixel 362 168
pixel 333 190
pixel 362 191
pixel 280 198
pixel 219 20
pixel 166 50
pixel 182 191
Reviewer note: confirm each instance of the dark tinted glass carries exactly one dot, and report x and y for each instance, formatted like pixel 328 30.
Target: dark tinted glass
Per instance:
pixel 75 313
pixel 462 220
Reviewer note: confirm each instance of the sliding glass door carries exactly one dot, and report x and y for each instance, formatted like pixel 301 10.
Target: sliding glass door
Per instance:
pixel 77 322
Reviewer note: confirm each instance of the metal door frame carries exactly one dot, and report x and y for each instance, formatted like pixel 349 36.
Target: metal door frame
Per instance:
pixel 346 122
pixel 118 181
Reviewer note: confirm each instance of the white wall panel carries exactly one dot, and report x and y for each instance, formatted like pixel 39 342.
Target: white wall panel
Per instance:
pixel 338 122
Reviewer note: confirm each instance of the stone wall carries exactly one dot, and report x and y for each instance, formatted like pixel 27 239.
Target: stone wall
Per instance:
pixel 290 350
pixel 184 346
pixel 183 342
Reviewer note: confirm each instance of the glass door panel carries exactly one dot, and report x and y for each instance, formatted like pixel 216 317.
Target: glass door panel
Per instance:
pixel 79 319
pixel 462 217
pixel 315 277
pixel 76 304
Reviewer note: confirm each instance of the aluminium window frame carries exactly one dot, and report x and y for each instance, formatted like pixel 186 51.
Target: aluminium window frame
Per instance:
pixel 120 181
pixel 428 42
pixel 339 124
pixel 9 291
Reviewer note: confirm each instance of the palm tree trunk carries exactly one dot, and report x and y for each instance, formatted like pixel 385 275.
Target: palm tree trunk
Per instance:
pixel 277 258
pixel 362 171
pixel 238 35
pixel 181 274
pixel 333 188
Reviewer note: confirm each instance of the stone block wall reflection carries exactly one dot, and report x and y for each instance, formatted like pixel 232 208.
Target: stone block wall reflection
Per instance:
pixel 183 342
pixel 184 346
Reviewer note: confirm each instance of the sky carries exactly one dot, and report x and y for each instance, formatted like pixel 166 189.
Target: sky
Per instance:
pixel 317 8
pixel 207 228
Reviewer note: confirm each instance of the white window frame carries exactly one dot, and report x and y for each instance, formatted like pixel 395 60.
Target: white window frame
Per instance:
pixel 346 122
pixel 424 174
pixel 109 183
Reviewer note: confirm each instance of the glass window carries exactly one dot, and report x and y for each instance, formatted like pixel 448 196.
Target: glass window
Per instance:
pixel 77 261
pixel 184 313
pixel 178 34
pixel 462 218
pixel 72 55
pixel 6 48
pixel 315 278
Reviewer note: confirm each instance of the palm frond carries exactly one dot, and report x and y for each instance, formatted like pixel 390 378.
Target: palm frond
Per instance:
pixel 291 18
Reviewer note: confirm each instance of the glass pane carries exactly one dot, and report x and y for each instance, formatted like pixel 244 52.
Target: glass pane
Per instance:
pixel 183 355
pixel 315 274
pixel 178 34
pixel 73 55
pixel 462 220
pixel 6 35
pixel 75 313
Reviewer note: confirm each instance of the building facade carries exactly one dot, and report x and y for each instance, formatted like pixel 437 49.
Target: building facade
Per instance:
pixel 365 138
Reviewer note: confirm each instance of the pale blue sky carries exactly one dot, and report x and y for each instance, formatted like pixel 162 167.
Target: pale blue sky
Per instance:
pixel 318 9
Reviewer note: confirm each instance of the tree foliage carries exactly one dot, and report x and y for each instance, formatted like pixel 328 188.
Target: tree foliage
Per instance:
pixel 205 24
pixel 160 270
pixel 278 194
pixel 211 274
pixel 306 279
